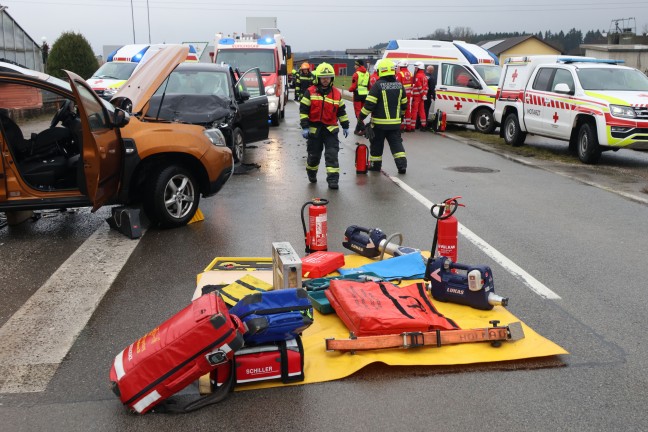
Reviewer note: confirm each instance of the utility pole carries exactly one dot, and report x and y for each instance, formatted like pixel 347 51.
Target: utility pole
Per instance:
pixel 148 14
pixel 133 18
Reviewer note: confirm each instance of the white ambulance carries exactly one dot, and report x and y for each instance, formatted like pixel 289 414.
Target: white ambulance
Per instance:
pixel 467 77
pixel 120 65
pixel 267 51
pixel 595 105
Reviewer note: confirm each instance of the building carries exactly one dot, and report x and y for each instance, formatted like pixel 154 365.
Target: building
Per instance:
pixel 623 44
pixel 519 46
pixel 16 45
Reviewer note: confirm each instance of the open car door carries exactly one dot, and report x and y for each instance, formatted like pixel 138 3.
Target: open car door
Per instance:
pixel 254 111
pixel 102 149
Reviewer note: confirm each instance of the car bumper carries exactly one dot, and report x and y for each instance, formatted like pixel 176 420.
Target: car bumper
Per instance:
pixel 218 184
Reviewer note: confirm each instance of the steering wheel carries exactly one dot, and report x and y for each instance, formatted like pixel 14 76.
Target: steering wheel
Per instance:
pixel 62 113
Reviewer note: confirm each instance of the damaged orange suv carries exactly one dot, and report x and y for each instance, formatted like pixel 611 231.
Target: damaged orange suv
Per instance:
pixel 62 146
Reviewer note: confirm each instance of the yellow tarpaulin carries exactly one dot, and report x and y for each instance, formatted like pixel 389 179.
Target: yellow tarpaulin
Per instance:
pixel 323 366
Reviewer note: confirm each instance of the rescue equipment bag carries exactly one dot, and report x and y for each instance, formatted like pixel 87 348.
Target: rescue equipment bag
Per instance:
pixel 274 315
pixel 381 308
pixel 281 360
pixel 164 361
pixel 234 292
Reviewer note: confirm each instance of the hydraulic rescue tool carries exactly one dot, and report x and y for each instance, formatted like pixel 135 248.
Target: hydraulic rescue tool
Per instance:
pixel 436 338
pixel 372 242
pixel 474 288
pixel 316 235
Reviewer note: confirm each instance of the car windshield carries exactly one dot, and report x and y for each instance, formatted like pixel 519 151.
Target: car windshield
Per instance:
pixel 114 70
pixel 612 79
pixel 191 82
pixel 489 73
pixel 245 59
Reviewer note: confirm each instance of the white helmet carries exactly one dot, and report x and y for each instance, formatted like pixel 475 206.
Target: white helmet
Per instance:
pixel 402 63
pixel 419 65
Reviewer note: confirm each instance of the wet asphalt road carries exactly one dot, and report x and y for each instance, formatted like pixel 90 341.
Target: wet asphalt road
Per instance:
pixel 584 243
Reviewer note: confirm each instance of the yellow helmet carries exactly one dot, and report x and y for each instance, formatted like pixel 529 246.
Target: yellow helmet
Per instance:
pixel 325 70
pixel 385 67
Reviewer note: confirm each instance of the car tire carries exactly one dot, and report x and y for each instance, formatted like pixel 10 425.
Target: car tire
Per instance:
pixel 513 135
pixel 238 145
pixel 589 150
pixel 275 118
pixel 484 121
pixel 173 196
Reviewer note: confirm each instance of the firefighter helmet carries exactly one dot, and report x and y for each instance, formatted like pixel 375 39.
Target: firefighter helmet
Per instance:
pixel 325 70
pixel 385 67
pixel 419 65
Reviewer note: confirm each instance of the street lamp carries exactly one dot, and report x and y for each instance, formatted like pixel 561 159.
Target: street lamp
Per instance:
pixel 133 19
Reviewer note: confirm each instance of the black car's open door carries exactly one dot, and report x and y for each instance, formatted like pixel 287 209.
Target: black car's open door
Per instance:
pixel 254 111
pixel 102 150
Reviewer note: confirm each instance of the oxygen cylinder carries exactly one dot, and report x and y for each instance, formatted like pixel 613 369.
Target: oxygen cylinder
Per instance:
pixel 447 237
pixel 361 158
pixel 316 234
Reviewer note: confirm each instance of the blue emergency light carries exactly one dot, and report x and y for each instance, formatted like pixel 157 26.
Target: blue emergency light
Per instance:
pixel 588 60
pixel 137 57
pixel 392 45
pixel 112 55
pixel 226 41
pixel 472 59
pixel 265 41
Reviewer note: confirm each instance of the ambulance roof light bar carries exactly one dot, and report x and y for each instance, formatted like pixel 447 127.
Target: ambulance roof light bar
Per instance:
pixel 568 60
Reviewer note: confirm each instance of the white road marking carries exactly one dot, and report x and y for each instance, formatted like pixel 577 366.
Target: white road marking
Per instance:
pixel 39 335
pixel 531 282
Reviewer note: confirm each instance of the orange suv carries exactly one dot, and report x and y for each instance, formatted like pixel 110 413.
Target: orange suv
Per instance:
pixel 100 154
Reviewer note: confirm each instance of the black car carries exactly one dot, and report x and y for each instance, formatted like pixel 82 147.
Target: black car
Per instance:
pixel 215 96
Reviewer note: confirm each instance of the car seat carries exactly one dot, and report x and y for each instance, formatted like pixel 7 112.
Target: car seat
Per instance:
pixel 12 134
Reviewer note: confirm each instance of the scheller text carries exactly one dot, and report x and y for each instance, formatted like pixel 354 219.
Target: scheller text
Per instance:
pixel 257 371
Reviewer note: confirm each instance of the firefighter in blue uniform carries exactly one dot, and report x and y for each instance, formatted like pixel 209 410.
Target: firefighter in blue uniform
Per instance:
pixel 320 110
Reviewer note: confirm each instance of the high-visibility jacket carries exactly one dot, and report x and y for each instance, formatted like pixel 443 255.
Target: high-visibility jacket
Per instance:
pixel 386 103
pixel 322 107
pixel 360 83
pixel 302 82
pixel 405 77
pixel 420 84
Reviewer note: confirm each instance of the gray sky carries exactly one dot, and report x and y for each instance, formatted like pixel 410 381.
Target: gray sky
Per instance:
pixel 311 25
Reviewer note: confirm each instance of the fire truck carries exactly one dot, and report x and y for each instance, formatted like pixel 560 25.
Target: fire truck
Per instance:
pixel 267 51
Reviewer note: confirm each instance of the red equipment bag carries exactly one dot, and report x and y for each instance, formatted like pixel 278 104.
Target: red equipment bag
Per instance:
pixel 190 344
pixel 381 308
pixel 321 263
pixel 282 360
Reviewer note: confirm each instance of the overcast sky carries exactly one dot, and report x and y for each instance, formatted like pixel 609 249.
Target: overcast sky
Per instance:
pixel 311 25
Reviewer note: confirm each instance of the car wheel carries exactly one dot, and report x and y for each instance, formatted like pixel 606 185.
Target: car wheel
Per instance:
pixel 512 133
pixel 484 121
pixel 275 118
pixel 173 197
pixel 589 150
pixel 238 145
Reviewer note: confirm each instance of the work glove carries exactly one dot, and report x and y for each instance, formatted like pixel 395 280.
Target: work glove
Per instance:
pixel 369 133
pixel 345 132
pixel 305 132
pixel 424 97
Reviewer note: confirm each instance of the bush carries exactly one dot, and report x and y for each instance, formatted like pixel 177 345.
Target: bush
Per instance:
pixel 71 51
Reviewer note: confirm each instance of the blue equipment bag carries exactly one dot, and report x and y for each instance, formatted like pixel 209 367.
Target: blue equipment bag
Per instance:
pixel 274 315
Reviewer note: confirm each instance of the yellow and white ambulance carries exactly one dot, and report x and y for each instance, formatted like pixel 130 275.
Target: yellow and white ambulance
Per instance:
pixel 595 105
pixel 467 77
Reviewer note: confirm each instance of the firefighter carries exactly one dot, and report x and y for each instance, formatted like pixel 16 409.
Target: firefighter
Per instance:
pixel 304 79
pixel 386 103
pixel 320 109
pixel 359 87
pixel 404 76
pixel 419 95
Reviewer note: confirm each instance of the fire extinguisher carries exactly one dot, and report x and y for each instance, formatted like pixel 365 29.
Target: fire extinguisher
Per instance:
pixel 361 158
pixel 316 236
pixel 441 121
pixel 446 232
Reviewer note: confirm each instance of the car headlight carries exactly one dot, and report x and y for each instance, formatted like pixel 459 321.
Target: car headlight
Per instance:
pixel 110 91
pixel 216 137
pixel 270 90
pixel 622 111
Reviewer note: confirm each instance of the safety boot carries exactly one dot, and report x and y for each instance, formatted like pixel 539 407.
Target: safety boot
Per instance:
pixel 375 166
pixel 333 182
pixel 312 176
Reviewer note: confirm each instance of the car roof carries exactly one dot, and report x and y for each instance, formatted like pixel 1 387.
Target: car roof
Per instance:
pixel 204 67
pixel 12 69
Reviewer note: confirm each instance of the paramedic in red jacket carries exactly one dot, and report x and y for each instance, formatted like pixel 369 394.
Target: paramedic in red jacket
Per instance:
pixel 419 94
pixel 359 87
pixel 404 76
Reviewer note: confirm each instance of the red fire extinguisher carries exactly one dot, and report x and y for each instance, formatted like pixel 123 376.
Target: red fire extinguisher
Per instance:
pixel 446 232
pixel 361 158
pixel 316 236
pixel 441 121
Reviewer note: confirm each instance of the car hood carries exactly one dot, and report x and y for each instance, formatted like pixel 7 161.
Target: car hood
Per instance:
pixel 631 98
pixel 145 81
pixel 194 109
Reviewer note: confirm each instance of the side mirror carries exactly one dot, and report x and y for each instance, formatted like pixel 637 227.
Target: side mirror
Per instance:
pixel 473 85
pixel 121 118
pixel 562 88
pixel 282 70
pixel 288 51
pixel 244 95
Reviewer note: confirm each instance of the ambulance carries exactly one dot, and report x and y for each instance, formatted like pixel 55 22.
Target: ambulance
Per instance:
pixel 467 78
pixel 122 63
pixel 267 51
pixel 595 105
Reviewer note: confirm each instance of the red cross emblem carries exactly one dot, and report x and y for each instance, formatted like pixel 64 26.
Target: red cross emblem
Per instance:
pixel 515 75
pixel 458 106
pixel 555 117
